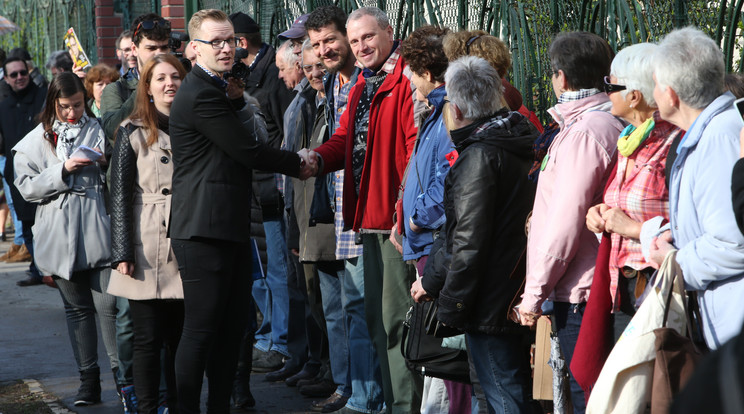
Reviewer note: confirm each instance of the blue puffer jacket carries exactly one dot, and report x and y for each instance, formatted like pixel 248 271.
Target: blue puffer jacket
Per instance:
pixel 424 188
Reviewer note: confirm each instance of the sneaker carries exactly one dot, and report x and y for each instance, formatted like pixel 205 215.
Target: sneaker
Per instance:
pixel 272 362
pixel 129 399
pixel 163 408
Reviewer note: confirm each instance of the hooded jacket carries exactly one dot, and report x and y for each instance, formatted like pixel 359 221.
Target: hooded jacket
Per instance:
pixel 487 197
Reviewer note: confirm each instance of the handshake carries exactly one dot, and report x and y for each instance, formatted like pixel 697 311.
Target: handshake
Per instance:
pixel 309 165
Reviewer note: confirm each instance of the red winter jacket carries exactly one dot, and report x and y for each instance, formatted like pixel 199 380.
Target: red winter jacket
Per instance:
pixel 390 141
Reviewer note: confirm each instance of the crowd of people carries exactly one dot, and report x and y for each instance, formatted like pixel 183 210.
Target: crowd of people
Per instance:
pixel 282 210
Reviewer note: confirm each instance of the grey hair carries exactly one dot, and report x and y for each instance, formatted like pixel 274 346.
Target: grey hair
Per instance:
pixel 691 63
pixel 307 45
pixel 379 15
pixel 633 67
pixel 286 51
pixel 474 86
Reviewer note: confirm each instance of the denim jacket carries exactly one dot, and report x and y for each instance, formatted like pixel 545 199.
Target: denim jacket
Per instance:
pixel 424 187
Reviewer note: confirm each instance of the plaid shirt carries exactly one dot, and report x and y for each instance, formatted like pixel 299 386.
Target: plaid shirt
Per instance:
pixel 642 196
pixel 346 248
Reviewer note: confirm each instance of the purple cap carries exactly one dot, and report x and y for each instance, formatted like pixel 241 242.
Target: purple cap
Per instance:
pixel 296 31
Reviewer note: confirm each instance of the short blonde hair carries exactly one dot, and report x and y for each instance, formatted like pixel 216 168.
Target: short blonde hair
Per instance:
pixel 199 17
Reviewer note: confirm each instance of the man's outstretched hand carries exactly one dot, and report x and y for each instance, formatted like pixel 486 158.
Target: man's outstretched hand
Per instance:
pixel 309 166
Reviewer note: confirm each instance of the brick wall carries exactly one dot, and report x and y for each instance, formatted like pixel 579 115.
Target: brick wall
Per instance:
pixel 108 27
pixel 174 11
pixel 110 24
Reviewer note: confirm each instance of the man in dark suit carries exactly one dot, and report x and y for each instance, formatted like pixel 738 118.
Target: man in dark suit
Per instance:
pixel 213 155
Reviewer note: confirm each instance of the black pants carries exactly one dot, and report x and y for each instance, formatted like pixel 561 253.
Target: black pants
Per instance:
pixel 217 284
pixel 157 323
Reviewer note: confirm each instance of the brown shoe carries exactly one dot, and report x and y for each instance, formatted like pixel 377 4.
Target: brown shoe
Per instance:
pixel 13 250
pixel 23 255
pixel 333 403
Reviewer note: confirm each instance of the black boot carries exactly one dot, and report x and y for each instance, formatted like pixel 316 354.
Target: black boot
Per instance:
pixel 90 387
pixel 241 395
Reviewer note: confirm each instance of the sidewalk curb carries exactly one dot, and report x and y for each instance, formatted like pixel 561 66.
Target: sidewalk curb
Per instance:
pixel 35 388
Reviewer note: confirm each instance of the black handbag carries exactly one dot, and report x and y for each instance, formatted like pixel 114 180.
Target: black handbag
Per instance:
pixel 424 353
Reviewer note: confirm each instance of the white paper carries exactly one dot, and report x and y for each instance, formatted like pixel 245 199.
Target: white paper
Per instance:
pixel 86 153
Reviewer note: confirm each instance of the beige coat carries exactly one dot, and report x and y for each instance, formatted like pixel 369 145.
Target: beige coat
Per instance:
pixel 156 273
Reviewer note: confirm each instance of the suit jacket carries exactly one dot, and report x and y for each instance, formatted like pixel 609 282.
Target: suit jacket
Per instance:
pixel 213 155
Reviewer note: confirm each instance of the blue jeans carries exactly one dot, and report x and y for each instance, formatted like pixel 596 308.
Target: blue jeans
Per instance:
pixel 502 365
pixel 124 342
pixel 262 299
pixel 18 236
pixel 329 274
pixel 364 366
pixel 568 318
pixel 271 294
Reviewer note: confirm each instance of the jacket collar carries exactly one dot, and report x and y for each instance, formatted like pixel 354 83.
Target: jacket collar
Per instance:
pixel 389 65
pixel 718 105
pixel 264 60
pixel 567 113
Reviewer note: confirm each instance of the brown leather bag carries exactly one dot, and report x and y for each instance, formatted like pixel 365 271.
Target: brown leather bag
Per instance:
pixel 676 357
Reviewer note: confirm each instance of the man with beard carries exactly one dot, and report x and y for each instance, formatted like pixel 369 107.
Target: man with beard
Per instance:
pixel 373 143
pixel 124 52
pixel 17 118
pixel 326 29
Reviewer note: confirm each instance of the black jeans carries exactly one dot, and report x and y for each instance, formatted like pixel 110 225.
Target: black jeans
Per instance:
pixel 157 323
pixel 217 279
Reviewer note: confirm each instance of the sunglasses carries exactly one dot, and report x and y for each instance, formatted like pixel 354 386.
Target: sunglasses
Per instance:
pixel 150 24
pixel 17 74
pixel 470 42
pixel 610 87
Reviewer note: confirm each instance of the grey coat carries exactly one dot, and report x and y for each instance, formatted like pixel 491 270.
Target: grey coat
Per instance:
pixel 72 225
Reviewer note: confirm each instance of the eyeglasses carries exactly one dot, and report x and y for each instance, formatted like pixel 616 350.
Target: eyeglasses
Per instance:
pixel 17 74
pixel 309 68
pixel 150 24
pixel 470 42
pixel 219 44
pixel 610 87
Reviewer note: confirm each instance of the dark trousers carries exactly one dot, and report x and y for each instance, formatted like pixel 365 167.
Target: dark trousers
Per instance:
pixel 217 282
pixel 157 324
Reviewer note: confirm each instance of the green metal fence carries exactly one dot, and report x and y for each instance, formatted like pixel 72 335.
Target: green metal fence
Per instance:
pixel 526 26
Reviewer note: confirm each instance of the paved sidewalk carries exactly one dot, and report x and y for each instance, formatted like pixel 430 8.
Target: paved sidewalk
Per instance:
pixel 34 344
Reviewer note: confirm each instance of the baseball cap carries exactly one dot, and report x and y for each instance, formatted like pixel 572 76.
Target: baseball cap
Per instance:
pixel 295 31
pixel 243 23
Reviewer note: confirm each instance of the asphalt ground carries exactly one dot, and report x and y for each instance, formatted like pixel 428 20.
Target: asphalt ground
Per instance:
pixel 35 346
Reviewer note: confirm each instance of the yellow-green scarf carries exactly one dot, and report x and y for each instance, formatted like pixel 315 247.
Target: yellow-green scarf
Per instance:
pixel 632 137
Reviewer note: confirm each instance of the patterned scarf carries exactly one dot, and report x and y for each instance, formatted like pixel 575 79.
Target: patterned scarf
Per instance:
pixel 66 134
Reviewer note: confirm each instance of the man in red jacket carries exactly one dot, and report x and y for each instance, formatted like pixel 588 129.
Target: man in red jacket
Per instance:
pixel 372 144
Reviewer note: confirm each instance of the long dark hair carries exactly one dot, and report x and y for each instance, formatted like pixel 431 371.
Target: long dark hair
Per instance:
pixel 144 109
pixel 64 85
